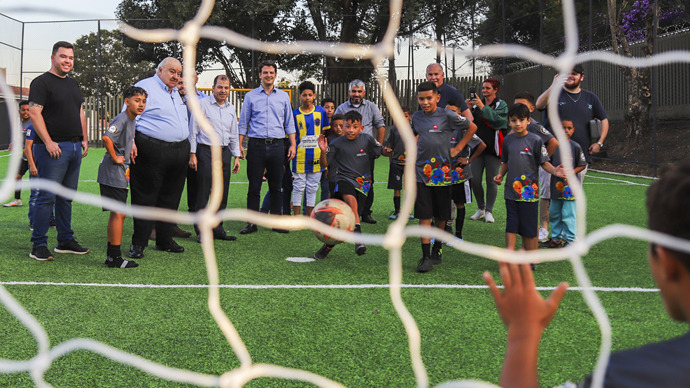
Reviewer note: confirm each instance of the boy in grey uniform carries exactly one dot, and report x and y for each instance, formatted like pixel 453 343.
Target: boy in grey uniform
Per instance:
pixel 113 172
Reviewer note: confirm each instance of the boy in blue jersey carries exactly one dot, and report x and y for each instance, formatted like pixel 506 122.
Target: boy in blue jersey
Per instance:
pixel 310 121
pixel 523 153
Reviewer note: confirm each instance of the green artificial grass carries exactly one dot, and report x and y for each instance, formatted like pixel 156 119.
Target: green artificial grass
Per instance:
pixel 350 335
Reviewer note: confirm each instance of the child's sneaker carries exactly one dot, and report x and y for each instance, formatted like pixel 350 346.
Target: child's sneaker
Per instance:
pixel 550 244
pixel 71 246
pixel 543 234
pixel 425 265
pixel 41 254
pixel 437 258
pixel 323 252
pixel 119 262
pixel 14 203
pixel 488 218
pixel 393 216
pixel 360 249
pixel 478 215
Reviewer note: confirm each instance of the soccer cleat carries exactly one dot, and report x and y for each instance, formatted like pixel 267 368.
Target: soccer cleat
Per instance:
pixel 543 234
pixel 119 262
pixel 136 251
pixel 360 249
pixel 323 252
pixel 478 215
pixel 425 265
pixel 488 218
pixel 437 258
pixel 367 218
pixel 393 216
pixel 41 254
pixel 550 244
pixel 172 247
pixel 14 203
pixel 71 246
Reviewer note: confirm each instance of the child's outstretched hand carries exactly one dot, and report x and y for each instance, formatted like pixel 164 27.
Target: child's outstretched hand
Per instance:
pixel 323 143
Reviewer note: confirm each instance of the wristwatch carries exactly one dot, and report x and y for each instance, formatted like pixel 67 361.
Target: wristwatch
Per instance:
pixel 601 145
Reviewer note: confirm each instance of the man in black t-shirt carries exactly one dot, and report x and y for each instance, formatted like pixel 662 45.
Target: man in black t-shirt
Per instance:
pixel 663 364
pixel 434 73
pixel 57 114
pixel 581 106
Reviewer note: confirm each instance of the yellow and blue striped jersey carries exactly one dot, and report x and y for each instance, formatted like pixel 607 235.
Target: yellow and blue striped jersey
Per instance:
pixel 309 126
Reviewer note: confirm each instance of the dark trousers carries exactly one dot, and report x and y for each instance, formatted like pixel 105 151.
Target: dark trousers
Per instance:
pixel 262 155
pixel 366 209
pixel 157 179
pixel 203 181
pixel 191 190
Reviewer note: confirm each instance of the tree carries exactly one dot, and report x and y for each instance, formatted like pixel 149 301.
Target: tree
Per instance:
pixel 108 71
pixel 638 21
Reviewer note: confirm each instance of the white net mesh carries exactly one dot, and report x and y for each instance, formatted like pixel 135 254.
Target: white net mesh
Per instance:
pixel 392 240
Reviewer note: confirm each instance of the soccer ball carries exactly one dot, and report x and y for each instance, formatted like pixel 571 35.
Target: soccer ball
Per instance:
pixel 335 213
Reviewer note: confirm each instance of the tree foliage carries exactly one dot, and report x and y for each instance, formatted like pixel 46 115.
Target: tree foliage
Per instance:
pixel 112 70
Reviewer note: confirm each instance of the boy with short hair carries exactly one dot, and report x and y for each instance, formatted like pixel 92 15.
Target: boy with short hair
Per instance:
pixel 24 167
pixel 113 172
pixel 395 150
pixel 334 132
pixel 562 213
pixel 551 143
pixel 355 153
pixel 434 128
pixel 462 191
pixel 310 121
pixel 523 153
pixel 329 105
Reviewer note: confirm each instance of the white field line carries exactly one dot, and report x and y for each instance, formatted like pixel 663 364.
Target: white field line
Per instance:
pixel 618 180
pixel 311 286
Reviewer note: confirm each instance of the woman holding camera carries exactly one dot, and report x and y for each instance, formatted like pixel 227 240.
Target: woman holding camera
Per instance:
pixel 491 117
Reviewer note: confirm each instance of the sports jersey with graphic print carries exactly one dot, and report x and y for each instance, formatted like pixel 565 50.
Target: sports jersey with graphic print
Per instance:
pixel 308 128
pixel 524 155
pixel 354 160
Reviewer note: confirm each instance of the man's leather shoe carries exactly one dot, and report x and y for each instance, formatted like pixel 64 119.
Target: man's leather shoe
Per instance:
pixel 280 230
pixel 250 228
pixel 224 237
pixel 171 247
pixel 136 251
pixel 367 218
pixel 177 232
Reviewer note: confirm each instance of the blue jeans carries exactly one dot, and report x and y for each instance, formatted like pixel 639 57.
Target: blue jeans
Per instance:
pixel 32 204
pixel 65 171
pixel 563 220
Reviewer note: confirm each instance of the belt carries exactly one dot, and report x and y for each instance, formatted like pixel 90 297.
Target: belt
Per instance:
pixel 140 135
pixel 266 140
pixel 206 145
pixel 76 139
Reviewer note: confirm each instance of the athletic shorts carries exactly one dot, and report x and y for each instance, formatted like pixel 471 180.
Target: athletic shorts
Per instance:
pixel 24 167
pixel 544 184
pixel 345 187
pixel 115 193
pixel 432 202
pixel 395 176
pixel 522 218
pixel 462 193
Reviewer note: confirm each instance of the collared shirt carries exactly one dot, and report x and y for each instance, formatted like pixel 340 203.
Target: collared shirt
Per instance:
pixel 165 116
pixel 224 121
pixel 266 116
pixel 371 115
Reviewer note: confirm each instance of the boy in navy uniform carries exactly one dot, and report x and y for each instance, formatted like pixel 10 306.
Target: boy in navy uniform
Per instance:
pixel 435 172
pixel 113 172
pixel 395 150
pixel 355 153
pixel 523 153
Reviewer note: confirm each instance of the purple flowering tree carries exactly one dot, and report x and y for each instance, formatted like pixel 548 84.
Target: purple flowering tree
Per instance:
pixel 634 21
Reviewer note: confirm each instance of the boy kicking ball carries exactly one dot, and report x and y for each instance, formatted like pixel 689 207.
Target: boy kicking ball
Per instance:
pixel 113 172
pixel 523 153
pixel 355 152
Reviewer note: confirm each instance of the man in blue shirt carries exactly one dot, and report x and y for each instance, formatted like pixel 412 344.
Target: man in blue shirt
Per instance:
pixel 266 118
pixel 162 154
pixel 374 126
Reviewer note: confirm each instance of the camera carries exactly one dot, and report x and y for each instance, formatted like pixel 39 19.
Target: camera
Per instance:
pixel 473 92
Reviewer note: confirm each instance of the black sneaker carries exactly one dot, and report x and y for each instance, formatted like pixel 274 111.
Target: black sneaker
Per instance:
pixel 425 265
pixel 41 254
pixel 436 259
pixel 323 252
pixel 170 247
pixel 136 251
pixel 71 246
pixel 119 262
pixel 360 249
pixel 31 226
pixel 367 218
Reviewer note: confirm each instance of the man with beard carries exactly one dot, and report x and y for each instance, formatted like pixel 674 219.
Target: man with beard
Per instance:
pixel 581 106
pixel 371 119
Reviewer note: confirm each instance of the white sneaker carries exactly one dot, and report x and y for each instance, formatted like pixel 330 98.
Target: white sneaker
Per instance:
pixel 478 215
pixel 543 234
pixel 16 202
pixel 488 218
